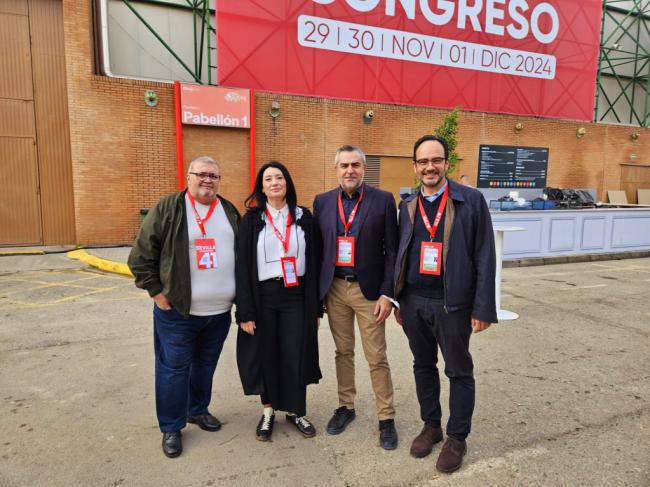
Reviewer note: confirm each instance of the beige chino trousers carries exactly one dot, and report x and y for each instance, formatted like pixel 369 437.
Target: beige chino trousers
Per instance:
pixel 344 301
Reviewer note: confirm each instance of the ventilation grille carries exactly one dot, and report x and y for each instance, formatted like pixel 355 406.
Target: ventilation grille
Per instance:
pixel 372 171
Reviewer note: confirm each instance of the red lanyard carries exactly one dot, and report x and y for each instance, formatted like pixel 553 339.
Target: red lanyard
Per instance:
pixel 348 224
pixel 443 202
pixel 201 221
pixel 287 236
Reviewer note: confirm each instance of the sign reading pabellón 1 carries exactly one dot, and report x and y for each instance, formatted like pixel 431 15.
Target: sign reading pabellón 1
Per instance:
pixel 215 106
pixel 528 57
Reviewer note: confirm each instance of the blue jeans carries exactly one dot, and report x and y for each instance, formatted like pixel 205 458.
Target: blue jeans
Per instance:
pixel 428 328
pixel 187 351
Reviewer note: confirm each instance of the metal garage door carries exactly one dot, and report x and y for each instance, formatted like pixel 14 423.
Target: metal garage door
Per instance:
pixel 36 199
pixel 20 219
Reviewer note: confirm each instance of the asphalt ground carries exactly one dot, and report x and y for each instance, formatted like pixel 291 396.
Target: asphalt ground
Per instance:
pixel 563 393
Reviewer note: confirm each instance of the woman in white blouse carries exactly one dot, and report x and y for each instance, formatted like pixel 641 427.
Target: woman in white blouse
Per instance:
pixel 277 301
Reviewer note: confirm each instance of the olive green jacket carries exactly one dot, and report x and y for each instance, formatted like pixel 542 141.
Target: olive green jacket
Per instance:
pixel 159 259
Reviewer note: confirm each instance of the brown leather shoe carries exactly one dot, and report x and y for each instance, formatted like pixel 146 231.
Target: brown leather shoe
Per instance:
pixel 423 443
pixel 451 456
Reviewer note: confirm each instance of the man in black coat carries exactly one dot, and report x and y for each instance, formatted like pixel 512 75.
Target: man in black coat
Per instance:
pixel 444 282
pixel 358 229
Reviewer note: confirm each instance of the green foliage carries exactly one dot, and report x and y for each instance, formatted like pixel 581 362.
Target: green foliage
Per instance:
pixel 448 130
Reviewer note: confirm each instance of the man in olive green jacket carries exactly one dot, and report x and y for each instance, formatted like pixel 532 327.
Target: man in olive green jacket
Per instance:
pixel 184 257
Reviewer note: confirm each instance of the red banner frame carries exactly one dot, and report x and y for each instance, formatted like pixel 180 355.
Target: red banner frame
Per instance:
pixel 491 64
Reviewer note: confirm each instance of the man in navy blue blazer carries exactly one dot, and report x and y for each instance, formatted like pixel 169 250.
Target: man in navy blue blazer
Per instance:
pixel 357 227
pixel 444 282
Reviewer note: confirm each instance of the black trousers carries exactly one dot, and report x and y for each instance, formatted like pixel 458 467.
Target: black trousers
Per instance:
pixel 428 327
pixel 282 343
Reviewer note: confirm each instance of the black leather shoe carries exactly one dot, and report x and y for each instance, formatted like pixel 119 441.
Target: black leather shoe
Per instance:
pixel 387 434
pixel 171 444
pixel 205 421
pixel 342 417
pixel 265 428
pixel 303 424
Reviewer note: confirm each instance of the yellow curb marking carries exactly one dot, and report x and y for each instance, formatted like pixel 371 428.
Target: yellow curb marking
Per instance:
pixel 102 264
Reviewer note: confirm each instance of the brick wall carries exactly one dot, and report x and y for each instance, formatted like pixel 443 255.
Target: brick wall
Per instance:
pixel 123 151
pixel 309 130
pixel 124 159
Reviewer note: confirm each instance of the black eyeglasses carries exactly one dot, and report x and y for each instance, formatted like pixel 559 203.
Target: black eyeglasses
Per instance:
pixel 207 175
pixel 436 161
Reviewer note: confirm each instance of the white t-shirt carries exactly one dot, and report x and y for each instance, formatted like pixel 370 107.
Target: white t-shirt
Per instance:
pixel 269 247
pixel 213 290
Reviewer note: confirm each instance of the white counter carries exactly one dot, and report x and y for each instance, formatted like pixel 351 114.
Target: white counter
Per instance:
pixel 550 233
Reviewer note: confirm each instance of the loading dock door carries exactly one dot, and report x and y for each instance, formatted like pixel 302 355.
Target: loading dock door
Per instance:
pixel 36 194
pixel 20 219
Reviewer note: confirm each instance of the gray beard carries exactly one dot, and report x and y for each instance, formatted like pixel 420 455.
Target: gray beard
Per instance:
pixel 354 189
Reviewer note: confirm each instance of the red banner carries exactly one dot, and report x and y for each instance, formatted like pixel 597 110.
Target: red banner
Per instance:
pixel 215 106
pixel 528 57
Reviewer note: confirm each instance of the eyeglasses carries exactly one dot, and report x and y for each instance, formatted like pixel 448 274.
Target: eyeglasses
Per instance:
pixel 436 161
pixel 207 175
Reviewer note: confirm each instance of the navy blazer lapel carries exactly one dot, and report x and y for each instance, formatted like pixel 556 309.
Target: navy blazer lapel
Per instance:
pixel 364 207
pixel 331 213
